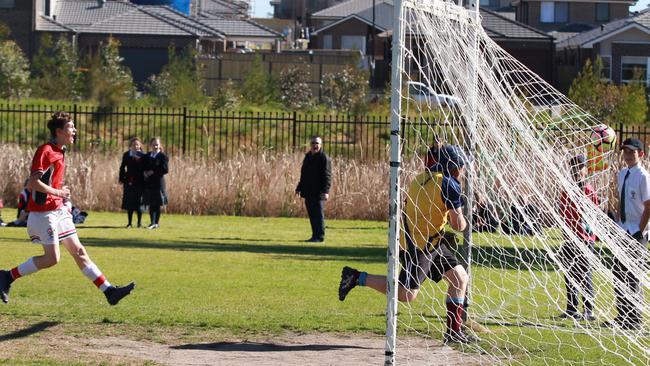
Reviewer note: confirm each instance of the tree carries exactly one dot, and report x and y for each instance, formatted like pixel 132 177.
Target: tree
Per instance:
pixel 14 71
pixel 295 92
pixel 258 84
pixel 179 83
pixel 607 102
pixel 108 81
pixel 55 69
pixel 346 90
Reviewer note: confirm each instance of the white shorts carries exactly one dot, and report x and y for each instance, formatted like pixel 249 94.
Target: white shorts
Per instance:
pixel 50 227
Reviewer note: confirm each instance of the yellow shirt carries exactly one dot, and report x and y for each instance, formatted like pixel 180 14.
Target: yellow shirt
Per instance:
pixel 425 212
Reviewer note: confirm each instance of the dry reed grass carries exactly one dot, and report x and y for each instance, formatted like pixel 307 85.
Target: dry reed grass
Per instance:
pixel 244 185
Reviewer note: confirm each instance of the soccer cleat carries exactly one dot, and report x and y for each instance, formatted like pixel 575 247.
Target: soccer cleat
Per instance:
pixel 116 293
pixel 349 278
pixel 5 285
pixel 459 337
pixel 570 315
pixel 589 317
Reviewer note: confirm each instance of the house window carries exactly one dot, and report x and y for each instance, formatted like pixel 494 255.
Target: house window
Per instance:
pixel 554 12
pixel 327 42
pixel 602 12
pixel 489 3
pixel 630 65
pixel 7 4
pixel 606 72
pixel 354 43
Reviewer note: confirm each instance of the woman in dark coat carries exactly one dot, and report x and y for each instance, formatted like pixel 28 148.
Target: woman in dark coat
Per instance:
pixel 155 167
pixel 131 177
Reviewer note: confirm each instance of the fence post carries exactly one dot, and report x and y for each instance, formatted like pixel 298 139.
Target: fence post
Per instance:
pixel 184 130
pixel 74 118
pixel 620 133
pixel 293 137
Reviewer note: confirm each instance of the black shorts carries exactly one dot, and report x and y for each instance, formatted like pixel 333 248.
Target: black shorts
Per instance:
pixel 419 264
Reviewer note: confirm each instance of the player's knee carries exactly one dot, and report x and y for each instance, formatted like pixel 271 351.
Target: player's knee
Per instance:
pixel 50 259
pixel 407 295
pixel 81 252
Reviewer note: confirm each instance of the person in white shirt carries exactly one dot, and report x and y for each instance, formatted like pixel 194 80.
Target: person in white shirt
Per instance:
pixel 634 212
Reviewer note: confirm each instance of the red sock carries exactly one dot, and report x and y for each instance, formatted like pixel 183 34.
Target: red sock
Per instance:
pixel 15 274
pixel 454 315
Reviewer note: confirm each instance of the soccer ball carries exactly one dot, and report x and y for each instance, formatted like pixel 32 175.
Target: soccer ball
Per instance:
pixel 603 138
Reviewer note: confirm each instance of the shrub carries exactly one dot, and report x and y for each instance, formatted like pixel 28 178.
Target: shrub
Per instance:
pixel 179 83
pixel 14 71
pixel 108 81
pixel 55 70
pixel 607 102
pixel 226 97
pixel 295 92
pixel 258 87
pixel 345 91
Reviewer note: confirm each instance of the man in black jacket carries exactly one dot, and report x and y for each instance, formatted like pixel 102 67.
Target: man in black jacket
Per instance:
pixel 314 187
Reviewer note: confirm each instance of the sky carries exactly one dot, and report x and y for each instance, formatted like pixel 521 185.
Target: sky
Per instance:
pixel 263 9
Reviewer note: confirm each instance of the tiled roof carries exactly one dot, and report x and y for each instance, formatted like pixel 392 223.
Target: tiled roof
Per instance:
pixel 120 17
pixel 238 27
pixel 349 7
pixel 498 26
pixel 50 25
pixel 224 8
pixel 495 24
pixel 641 20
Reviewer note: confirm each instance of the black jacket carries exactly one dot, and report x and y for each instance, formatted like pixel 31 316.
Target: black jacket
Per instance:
pixel 315 175
pixel 160 167
pixel 131 169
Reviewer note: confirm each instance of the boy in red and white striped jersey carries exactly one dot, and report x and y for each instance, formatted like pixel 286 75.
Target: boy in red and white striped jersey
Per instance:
pixel 50 221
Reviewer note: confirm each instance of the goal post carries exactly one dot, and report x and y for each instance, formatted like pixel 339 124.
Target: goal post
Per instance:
pixel 539 185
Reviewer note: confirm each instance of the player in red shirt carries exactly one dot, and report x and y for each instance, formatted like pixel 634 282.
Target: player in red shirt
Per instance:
pixel 50 222
pixel 572 257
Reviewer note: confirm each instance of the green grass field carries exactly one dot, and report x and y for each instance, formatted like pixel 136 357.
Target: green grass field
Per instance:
pixel 239 276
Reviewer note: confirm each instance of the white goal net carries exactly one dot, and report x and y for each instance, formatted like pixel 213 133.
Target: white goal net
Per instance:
pixel 521 137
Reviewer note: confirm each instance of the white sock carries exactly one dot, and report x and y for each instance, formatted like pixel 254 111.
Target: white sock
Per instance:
pixel 94 274
pixel 24 269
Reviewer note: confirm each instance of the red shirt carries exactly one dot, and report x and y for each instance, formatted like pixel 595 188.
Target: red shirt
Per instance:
pixel 48 160
pixel 572 217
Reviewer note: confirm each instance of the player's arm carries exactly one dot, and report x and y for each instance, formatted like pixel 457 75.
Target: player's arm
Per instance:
pixel 36 185
pixel 457 219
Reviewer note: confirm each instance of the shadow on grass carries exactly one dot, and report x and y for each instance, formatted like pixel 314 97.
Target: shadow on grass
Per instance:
pixel 22 333
pixel 511 258
pixel 365 253
pixel 263 347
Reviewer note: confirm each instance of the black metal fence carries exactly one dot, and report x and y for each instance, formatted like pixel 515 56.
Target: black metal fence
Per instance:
pixel 219 134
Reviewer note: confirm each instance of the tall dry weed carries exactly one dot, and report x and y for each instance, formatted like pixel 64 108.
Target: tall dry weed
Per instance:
pixel 245 184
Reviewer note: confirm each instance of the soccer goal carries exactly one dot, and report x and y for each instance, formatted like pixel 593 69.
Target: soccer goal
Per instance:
pixel 524 141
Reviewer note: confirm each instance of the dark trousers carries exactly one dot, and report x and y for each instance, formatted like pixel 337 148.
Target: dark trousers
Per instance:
pixel 578 271
pixel 628 311
pixel 316 211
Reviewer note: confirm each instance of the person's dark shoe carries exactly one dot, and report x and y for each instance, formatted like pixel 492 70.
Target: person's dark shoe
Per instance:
pixel 570 315
pixel 314 240
pixel 116 293
pixel 459 337
pixel 128 226
pixel 152 226
pixel 5 285
pixel 589 317
pixel 617 322
pixel 631 325
pixel 349 278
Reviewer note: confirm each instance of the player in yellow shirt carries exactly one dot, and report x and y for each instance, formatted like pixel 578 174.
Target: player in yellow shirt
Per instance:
pixel 434 200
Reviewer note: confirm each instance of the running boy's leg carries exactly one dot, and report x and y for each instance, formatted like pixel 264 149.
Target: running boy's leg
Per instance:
pixel 113 293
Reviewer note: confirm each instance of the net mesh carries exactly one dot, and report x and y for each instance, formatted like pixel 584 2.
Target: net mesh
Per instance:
pixel 460 87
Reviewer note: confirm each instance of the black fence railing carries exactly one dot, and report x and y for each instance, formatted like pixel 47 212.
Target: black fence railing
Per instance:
pixel 219 134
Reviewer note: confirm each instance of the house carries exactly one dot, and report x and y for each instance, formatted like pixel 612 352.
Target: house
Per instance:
pixel 578 15
pixel 623 45
pixel 350 25
pixel 145 32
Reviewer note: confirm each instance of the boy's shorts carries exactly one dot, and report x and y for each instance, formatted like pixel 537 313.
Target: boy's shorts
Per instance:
pixel 417 265
pixel 50 227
